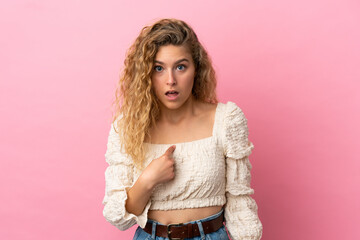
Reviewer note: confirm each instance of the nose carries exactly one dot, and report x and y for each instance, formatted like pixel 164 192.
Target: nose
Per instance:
pixel 171 79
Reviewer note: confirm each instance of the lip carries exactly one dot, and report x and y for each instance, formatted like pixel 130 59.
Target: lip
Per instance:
pixel 172 98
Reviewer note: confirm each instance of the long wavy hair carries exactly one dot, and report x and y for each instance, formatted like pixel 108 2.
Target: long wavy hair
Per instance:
pixel 136 107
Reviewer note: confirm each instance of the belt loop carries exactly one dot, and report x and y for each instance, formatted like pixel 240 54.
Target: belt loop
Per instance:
pixel 153 232
pixel 201 230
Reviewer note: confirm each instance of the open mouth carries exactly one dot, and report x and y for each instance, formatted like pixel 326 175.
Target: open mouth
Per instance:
pixel 171 93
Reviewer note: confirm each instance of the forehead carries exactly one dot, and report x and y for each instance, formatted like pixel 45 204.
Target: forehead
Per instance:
pixel 172 52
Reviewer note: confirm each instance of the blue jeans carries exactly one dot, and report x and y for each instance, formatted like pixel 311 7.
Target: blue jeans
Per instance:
pixel 220 234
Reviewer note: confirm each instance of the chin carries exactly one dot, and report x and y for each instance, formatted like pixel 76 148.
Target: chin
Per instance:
pixel 172 105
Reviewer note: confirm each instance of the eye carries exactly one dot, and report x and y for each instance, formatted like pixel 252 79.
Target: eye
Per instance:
pixel 158 68
pixel 181 67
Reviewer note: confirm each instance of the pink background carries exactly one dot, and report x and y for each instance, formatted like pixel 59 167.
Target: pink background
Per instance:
pixel 293 67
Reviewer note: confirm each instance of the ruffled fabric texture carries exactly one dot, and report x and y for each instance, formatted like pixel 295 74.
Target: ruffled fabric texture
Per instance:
pixel 118 180
pixel 200 176
pixel 241 216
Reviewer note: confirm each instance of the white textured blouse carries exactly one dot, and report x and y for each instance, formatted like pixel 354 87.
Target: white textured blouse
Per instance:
pixel 212 171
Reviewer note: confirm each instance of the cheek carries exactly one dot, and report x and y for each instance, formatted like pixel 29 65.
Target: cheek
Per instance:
pixel 190 81
pixel 156 87
pixel 191 84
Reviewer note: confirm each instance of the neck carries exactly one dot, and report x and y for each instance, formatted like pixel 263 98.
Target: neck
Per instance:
pixel 175 116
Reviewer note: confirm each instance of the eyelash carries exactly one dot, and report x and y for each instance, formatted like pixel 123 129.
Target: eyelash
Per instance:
pixel 184 67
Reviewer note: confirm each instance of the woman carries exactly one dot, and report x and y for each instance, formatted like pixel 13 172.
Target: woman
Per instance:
pixel 178 158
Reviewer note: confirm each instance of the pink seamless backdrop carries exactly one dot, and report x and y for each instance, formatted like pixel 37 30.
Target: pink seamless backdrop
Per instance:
pixel 291 66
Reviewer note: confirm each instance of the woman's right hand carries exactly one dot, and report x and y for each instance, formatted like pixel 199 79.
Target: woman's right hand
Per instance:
pixel 161 169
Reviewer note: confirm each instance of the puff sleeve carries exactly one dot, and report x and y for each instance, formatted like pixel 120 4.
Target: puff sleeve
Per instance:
pixel 119 178
pixel 241 216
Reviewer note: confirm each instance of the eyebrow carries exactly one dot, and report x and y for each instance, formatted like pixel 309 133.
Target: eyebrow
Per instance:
pixel 178 61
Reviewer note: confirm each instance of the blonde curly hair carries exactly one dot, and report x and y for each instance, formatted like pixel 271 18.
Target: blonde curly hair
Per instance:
pixel 136 107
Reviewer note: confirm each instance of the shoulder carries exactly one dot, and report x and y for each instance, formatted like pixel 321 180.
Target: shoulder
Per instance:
pixel 232 114
pixel 233 109
pixel 235 122
pixel 115 153
pixel 235 131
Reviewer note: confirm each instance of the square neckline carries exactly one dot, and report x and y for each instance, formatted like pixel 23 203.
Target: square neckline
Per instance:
pixel 197 140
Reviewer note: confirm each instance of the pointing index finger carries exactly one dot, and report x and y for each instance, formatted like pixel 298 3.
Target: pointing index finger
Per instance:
pixel 170 150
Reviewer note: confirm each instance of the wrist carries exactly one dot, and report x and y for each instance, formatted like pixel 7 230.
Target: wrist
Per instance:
pixel 147 182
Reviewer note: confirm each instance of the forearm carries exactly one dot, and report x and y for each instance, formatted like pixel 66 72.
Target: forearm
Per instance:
pixel 138 196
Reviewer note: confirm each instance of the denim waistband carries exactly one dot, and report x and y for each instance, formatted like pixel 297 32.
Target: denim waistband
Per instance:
pixel 201 220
